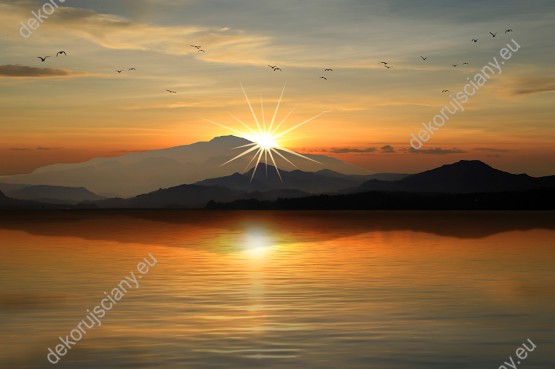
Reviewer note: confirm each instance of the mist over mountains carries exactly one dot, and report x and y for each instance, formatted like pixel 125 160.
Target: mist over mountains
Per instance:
pixel 192 177
pixel 137 173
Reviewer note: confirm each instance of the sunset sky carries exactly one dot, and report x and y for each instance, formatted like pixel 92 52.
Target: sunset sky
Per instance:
pixel 76 107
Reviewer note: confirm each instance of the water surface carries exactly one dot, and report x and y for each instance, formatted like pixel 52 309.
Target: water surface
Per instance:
pixel 280 290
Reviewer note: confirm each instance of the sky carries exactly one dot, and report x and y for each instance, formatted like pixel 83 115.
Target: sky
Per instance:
pixel 75 107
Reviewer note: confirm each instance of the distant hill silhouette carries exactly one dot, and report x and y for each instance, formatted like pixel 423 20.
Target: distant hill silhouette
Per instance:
pixel 468 185
pixel 190 197
pixel 141 172
pixel 50 194
pixel 267 179
pixel 7 203
pixel 461 177
pixel 394 200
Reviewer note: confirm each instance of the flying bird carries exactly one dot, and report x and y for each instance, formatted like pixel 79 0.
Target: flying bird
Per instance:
pixel 387 66
pixel 384 63
pixel 328 70
pixel 276 69
pixel 424 58
pixel 202 51
pixel 465 63
pixel 272 66
pixel 324 78
pixel 196 47
pixel 493 34
pixel 444 91
pixel 171 92
pixel 119 70
pixel 455 65
pixel 61 53
pixel 509 30
pixel 474 40
pixel 42 59
pixel 132 69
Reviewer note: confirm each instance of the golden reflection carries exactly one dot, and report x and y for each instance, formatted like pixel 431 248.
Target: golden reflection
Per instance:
pixel 257 242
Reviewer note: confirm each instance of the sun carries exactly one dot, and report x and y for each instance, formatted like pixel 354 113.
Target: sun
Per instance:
pixel 265 140
pixel 266 137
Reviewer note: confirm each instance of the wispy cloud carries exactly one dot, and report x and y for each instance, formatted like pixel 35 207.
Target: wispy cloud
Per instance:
pixel 533 86
pixel 40 148
pixel 437 151
pixel 489 149
pixel 388 149
pixel 21 71
pixel 346 150
pixel 116 32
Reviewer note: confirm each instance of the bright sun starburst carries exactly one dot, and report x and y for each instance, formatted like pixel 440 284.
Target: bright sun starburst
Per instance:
pixel 266 137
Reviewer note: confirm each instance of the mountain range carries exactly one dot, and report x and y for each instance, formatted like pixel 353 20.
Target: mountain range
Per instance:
pixel 462 177
pixel 248 189
pixel 133 174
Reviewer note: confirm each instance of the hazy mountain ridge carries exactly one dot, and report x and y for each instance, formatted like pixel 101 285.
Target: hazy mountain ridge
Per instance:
pixel 462 185
pixel 49 194
pixel 190 197
pixel 138 173
pixel 461 177
pixel 267 178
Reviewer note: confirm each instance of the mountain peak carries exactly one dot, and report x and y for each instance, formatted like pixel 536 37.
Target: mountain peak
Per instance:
pixel 470 164
pixel 230 139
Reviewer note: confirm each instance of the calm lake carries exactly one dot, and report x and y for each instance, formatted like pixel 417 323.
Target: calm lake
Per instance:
pixel 385 290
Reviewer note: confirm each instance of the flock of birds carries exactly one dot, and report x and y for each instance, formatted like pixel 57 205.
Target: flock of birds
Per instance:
pixel 43 58
pixel 424 58
pixel 275 68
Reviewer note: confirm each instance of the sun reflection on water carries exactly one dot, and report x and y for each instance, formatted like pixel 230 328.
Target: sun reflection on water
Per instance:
pixel 257 242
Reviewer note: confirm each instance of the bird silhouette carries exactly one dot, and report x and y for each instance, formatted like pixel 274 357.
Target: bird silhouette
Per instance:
pixel 171 92
pixel 324 78
pixel 388 67
pixel 455 65
pixel 493 34
pixel 119 70
pixel 444 91
pixel 277 69
pixel 202 51
pixel 509 30
pixel 474 40
pixel 196 47
pixel 465 63
pixel 424 58
pixel 61 53
pixel 384 63
pixel 328 70
pixel 272 66
pixel 42 59
pixel 132 69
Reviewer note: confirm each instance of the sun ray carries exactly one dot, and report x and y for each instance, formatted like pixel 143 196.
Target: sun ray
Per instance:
pixel 277 108
pixel 282 121
pixel 275 165
pixel 297 154
pixel 284 158
pixel 263 115
pixel 243 146
pixel 243 123
pixel 297 126
pixel 240 155
pixel 266 160
pixel 252 160
pixel 226 127
pixel 267 140
pixel 251 108
pixel 257 162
